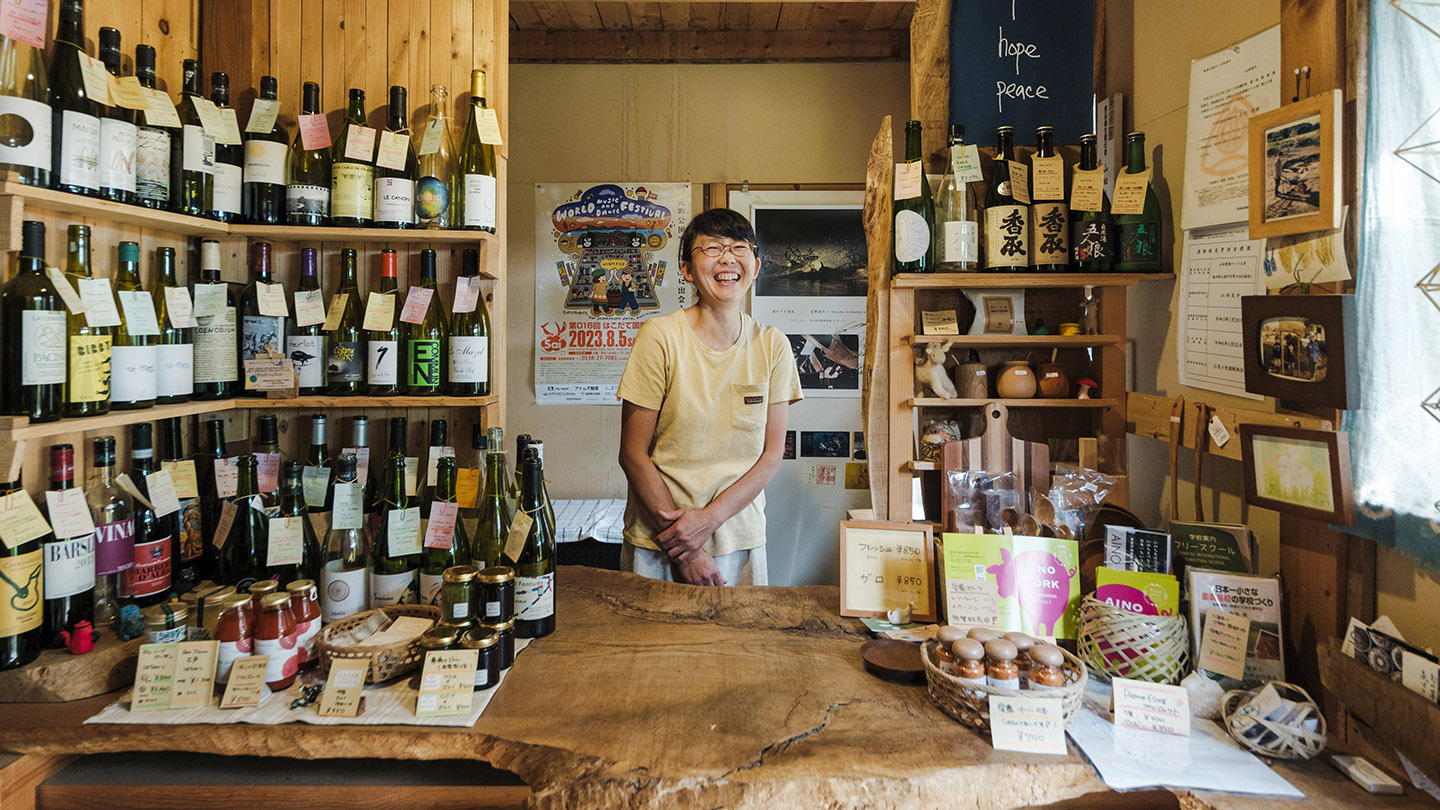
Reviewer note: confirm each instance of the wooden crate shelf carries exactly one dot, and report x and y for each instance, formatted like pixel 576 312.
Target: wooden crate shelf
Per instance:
pixel 962 281
pixel 935 402
pixel 1020 341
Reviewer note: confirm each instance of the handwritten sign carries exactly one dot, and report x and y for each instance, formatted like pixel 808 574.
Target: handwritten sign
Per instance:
pixel 272 299
pixel 195 663
pixel 467 294
pixel 379 312
pixel 1049 178
pixel 908 177
pixel 519 531
pixel 416 305
pixel 314 132
pixel 1130 193
pixel 347 510
pixel 247 682
pixel 884 566
pixel 262 115
pixel 162 493
pixel 69 514
pixel 1223 644
pixel 965 163
pixel 1033 725
pixel 1019 181
pixel 1151 706
pixel 403 531
pixel 286 544
pixel 24 20
pixel 344 687
pixel 20 521
pixel 154 677
pixel 1087 190
pixel 467 486
pixel 440 528
pixel 447 683
pixel 139 310
pixel 309 307
pixel 939 322
pixel 227 477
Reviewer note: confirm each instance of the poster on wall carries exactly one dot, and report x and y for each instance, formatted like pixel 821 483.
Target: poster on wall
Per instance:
pixel 606 261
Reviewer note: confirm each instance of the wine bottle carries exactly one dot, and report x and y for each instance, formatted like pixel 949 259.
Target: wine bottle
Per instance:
pixel 1092 240
pixel 319 493
pixel 74 116
pixel 152 143
pixel 360 440
pixel 25 119
pixel 915 214
pixel 293 511
pixel 247 543
pixel 1007 223
pixel 437 165
pixel 395 185
pixel 307 188
pixel 436 560
pixel 270 459
pixel 212 449
pixel 228 198
pixel 344 589
pixel 34 326
pixel 305 345
pixel 523 444
pixel 469 499
pixel 134 359
pixel 345 366
pixel 192 154
pixel 382 368
pixel 117 132
pixel 352 169
pixel 265 158
pixel 423 344
pixel 395 550
pixel 216 355
pixel 469 365
pixel 260 335
pixel 114 518
pixel 148 581
pixel 1049 213
pixel 535 565
pixel 69 562
pixel 1138 235
pixel 494 508
pixel 174 348
pixel 957 216
pixel 22 612
pixel 438 448
pixel 189 533
pixel 88 384
pixel 475 185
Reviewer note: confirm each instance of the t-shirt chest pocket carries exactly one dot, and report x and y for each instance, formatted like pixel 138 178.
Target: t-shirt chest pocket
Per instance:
pixel 747 405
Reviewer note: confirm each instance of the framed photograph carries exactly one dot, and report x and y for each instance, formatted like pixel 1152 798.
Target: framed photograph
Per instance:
pixel 1298 471
pixel 884 566
pixel 1295 167
pixel 1301 348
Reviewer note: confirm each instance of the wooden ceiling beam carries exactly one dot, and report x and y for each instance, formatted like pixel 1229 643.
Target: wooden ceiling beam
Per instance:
pixel 708 46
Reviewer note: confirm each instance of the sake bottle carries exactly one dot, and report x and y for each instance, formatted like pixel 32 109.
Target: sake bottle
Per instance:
pixel 1007 222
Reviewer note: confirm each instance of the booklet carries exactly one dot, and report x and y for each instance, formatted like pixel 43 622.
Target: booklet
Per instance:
pixel 1138 591
pixel 1130 549
pixel 1013 582
pixel 1217 546
pixel 1249 597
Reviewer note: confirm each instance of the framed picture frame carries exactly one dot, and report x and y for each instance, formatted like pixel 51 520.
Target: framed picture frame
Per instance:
pixel 886 565
pixel 1301 348
pixel 1295 167
pixel 1298 471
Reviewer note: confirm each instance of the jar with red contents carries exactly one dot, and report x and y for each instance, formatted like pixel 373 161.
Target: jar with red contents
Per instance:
pixel 235 630
pixel 275 637
pixel 305 604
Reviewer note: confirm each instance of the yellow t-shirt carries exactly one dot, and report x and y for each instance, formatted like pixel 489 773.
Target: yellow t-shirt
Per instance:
pixel 711 426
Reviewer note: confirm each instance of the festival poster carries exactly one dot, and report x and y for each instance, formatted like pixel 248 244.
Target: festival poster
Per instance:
pixel 606 260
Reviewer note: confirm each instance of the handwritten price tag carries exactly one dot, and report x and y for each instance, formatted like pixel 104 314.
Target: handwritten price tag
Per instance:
pixel 20 521
pixel 314 132
pixel 1034 725
pixel 335 313
pixel 965 163
pixel 24 20
pixel 272 300
pixel 416 304
pixel 467 294
pixel 360 143
pixel 1152 706
pixel 488 122
pixel 1130 193
pixel 262 115
pixel 1087 190
pixel 1049 174
pixel 908 177
pixel 379 312
pixel 1019 182
pixel 1223 644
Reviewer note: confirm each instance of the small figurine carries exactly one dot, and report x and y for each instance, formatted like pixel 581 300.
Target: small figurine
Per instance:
pixel 1086 386
pixel 81 640
pixel 930 372
pixel 130 624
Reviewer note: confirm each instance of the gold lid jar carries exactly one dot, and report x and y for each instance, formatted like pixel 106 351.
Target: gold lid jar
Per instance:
pixel 438 638
pixel 461 573
pixel 496 574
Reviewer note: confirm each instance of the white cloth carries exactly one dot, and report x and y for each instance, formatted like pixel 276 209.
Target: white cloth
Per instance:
pixel 744 567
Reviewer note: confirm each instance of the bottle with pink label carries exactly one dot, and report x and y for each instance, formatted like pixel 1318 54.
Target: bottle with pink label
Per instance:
pixel 305 604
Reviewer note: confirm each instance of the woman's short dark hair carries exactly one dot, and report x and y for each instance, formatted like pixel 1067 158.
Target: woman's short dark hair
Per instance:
pixel 723 223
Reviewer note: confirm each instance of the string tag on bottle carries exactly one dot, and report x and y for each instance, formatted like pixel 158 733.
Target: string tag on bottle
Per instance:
pixel 519 533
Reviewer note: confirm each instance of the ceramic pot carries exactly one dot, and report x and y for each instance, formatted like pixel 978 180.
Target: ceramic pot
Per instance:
pixel 1052 380
pixel 1015 381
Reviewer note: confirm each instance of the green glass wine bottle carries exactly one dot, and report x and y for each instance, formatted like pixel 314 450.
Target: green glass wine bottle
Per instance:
pixel 475 183
pixel 217 369
pixel 383 366
pixel 469 355
pixel 395 556
pixel 458 551
pixel 423 343
pixel 26 126
pixel 307 183
pixel 245 548
pixel 352 170
pixel 229 191
pixel 260 334
pixel 22 613
pixel 134 358
pixel 117 131
pixel 495 509
pixel 293 513
pixel 75 117
pixel 265 158
pixel 1092 238
pixel 87 390
pixel 192 154
pixel 914 250
pixel 1138 235
pixel 395 178
pixel 535 564
pixel 152 143
pixel 346 344
pixel 33 322
pixel 305 345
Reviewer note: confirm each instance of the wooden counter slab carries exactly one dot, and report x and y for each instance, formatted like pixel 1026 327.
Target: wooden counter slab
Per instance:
pixel 665 696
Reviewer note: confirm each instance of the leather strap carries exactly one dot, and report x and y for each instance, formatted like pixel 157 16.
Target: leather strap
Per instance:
pixel 1177 417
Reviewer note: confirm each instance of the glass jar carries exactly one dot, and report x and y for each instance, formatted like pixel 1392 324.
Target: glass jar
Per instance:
pixel 261 588
pixel 487 669
pixel 235 632
pixel 506 631
pixel 1000 669
pixel 165 623
pixel 1023 644
pixel 1046 668
pixel 275 637
pixel 438 638
pixel 496 594
pixel 305 604
pixel 206 611
pixel 457 593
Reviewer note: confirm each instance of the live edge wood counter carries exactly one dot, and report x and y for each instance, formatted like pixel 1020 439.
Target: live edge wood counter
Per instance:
pixel 667 696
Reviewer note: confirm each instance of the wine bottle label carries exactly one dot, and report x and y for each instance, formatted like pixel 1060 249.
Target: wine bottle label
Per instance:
pixel 383 366
pixel 117 154
pixel 21 605
pixel 133 376
pixel 479 201
pixel 215 359
pixel 912 236
pixel 1090 240
pixel 283 661
pixel 176 362
pixel 961 242
pixel 422 363
pixel 79 150
pixel 307 352
pixel 265 162
pixel 89 368
pixel 469 359
pixel 394 200
pixel 535 597
pixel 30 145
pixel 1007 232
pixel 1050 232
pixel 352 190
pixel 198 150
pixel 344 593
pixel 307 201
pixel 261 335
pixel 192 537
pixel 114 546
pixel 42 347
pixel 152 164
pixel 226 655
pixel 345 363
pixel 393 589
pixel 229 185
pixel 69 566
pixel 430 589
pixel 151 573
pixel 1139 241
pixel 432 199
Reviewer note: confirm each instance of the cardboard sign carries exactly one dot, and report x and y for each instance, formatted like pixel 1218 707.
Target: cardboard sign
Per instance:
pixel 1033 725
pixel 1049 178
pixel 162 493
pixel 440 529
pixel 467 294
pixel 1033 582
pixel 1223 644
pixel 182 476
pixel 1087 190
pixel 908 177
pixel 263 114
pixel 394 150
pixel 194 674
pixel 1151 706
pixel 447 682
pixel 416 305
pixel 286 545
pixel 335 312
pixel 965 163
pixel 403 531
pixel 1019 181
pixel 1130 193
pixel 488 122
pixel 100 309
pixel 269 373
pixel 344 688
pixel 69 514
pixel 360 143
pixel 20 521
pixel 1138 591
pixel 272 300
pixel 247 682
pixel 379 312
pixel 309 307
pixel 139 310
pixel 314 132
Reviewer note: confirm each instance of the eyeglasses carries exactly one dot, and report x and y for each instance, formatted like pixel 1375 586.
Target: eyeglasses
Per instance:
pixel 740 250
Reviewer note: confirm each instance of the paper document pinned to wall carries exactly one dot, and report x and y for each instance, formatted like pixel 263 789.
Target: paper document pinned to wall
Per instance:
pixel 1221 266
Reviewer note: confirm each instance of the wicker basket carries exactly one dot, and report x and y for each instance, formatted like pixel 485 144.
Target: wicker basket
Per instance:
pixel 1290 740
pixel 1122 644
pixel 970 703
pixel 385 662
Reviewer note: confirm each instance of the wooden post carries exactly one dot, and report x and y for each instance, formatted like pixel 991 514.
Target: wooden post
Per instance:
pixel 879 178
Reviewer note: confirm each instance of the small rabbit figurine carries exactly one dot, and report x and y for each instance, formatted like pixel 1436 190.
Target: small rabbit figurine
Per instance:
pixel 930 372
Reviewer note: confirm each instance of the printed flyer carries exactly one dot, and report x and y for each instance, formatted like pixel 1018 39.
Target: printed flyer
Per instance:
pixel 1025 584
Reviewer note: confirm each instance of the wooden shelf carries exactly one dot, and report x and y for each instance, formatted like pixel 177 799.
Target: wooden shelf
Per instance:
pixel 1035 341
pixel 961 281
pixel 260 404
pixel 52 200
pixel 407 236
pixel 935 402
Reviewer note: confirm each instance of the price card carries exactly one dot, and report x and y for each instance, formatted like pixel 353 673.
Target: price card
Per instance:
pixel 519 531
pixel 488 121
pixel 1019 181
pixel 1087 190
pixel 1223 643
pixel 908 177
pixel 125 482
pixel 335 313
pixel 1151 706
pixel 348 509
pixel 394 150
pixel 412 474
pixel 210 300
pixel 69 514
pixel 262 115
pixel 403 531
pixel 939 322
pixel 287 541
pixel 210 119
pixel 416 304
pixel 194 674
pixel 100 307
pixel 440 529
pixel 20 521
pixel 247 682
pixel 24 20
pixel 139 310
pixel 1034 725
pixel 965 164
pixel 160 110
pixel 1130 193
pixel 72 300
pixel 128 93
pixel 227 477
pixel 344 687
pixel 434 134
pixel 313 482
pixel 1049 174
pixel 269 374
pixel 1218 433
pixel 467 294
pixel 360 143
pixel 379 312
pixel 272 300
pixel 182 476
pixel 162 493
pixel 309 307
pixel 93 72
pixel 268 472
pixel 314 132
pixel 432 466
pixel 467 486
pixel 447 682
pixel 228 510
pixel 154 677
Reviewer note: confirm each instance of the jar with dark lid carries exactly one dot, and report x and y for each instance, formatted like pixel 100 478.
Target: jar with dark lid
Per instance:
pixel 305 604
pixel 487 669
pixel 457 593
pixel 438 638
pixel 235 630
pixel 506 631
pixel 166 622
pixel 275 637
pixel 496 595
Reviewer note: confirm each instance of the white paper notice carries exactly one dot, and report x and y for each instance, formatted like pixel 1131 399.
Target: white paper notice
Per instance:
pixel 1221 266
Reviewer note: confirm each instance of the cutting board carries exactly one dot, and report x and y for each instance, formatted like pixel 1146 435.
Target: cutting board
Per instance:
pixel 994 451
